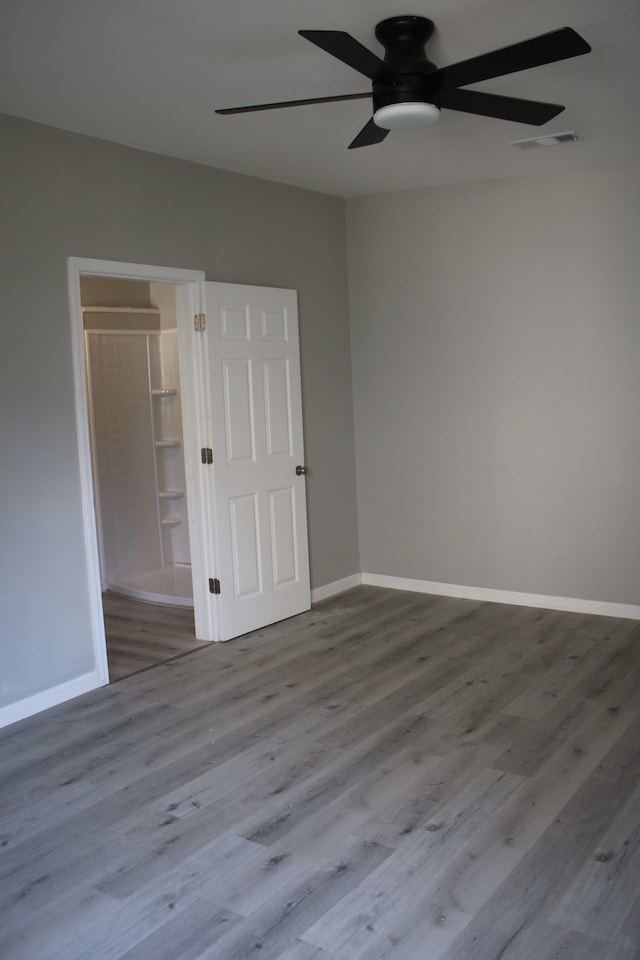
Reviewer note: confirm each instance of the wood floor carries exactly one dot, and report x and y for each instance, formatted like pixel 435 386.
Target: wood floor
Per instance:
pixel 141 635
pixel 390 775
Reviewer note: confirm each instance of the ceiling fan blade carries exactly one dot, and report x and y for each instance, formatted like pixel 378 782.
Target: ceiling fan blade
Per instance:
pixel 557 45
pixel 346 48
pixel 503 108
pixel 291 103
pixel 370 133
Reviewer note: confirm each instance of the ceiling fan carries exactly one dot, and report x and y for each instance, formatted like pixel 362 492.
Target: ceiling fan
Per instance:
pixel 409 91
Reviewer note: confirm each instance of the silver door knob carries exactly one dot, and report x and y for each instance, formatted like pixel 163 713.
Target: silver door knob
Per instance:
pixel 301 471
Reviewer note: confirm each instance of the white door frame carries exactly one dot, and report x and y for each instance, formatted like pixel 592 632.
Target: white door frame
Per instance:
pixel 191 364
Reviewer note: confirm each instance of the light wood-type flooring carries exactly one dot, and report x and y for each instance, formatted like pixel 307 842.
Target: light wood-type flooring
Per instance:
pixel 141 635
pixel 390 775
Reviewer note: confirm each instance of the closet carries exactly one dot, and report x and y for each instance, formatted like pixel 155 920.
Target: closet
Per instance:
pixel 136 437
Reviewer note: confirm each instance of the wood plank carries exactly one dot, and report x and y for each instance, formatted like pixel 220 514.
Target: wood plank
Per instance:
pixel 533 886
pixel 401 880
pixel 605 889
pixel 140 635
pixel 387 775
pixel 274 928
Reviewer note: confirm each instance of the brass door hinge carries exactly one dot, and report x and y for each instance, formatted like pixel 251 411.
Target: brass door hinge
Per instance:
pixel 200 322
pixel 206 454
pixel 214 585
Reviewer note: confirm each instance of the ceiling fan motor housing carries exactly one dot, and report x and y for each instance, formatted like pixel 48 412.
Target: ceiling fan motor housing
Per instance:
pixel 406 73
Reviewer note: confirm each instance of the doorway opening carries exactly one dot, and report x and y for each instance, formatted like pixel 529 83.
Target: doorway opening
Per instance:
pixel 127 320
pixel 135 423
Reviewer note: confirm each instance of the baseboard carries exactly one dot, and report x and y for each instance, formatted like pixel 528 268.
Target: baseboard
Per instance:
pixel 627 611
pixel 49 698
pixel 338 586
pixel 90 681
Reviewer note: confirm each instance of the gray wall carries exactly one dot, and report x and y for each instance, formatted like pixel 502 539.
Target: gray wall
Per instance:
pixel 496 347
pixel 66 195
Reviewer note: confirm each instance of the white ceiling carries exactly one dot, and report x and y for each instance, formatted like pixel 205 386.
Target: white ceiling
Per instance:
pixel 149 73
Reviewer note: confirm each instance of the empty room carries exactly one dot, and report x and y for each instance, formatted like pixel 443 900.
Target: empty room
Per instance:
pixel 320 540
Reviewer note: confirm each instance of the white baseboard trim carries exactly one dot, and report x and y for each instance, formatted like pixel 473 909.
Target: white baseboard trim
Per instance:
pixel 90 681
pixel 627 611
pixel 49 698
pixel 338 586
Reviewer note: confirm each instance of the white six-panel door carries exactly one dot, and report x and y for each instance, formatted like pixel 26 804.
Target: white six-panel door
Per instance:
pixel 260 517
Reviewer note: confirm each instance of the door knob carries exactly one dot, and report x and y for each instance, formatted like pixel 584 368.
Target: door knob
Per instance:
pixel 301 471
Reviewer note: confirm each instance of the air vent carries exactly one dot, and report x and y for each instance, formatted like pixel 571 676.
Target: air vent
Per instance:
pixel 549 140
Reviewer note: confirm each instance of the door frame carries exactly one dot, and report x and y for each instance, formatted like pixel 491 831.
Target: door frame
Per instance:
pixel 188 284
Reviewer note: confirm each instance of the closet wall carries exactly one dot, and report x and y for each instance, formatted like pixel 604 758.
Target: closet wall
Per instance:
pixel 123 453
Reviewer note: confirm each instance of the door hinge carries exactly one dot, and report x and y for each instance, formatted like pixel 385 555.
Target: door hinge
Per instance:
pixel 206 455
pixel 200 322
pixel 214 585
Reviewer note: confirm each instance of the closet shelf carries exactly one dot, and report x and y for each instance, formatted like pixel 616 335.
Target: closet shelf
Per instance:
pixel 167 443
pixel 151 310
pixel 164 392
pixel 171 521
pixel 171 494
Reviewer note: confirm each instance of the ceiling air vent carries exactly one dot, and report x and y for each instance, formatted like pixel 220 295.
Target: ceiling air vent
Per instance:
pixel 550 140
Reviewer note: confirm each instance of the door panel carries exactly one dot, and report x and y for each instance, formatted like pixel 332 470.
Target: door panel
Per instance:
pixel 244 522
pixel 284 554
pixel 256 419
pixel 277 407
pixel 239 409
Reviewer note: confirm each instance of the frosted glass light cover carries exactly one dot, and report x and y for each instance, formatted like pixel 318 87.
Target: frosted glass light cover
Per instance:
pixel 406 116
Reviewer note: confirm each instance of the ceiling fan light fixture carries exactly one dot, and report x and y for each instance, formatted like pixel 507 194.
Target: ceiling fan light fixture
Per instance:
pixel 406 116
